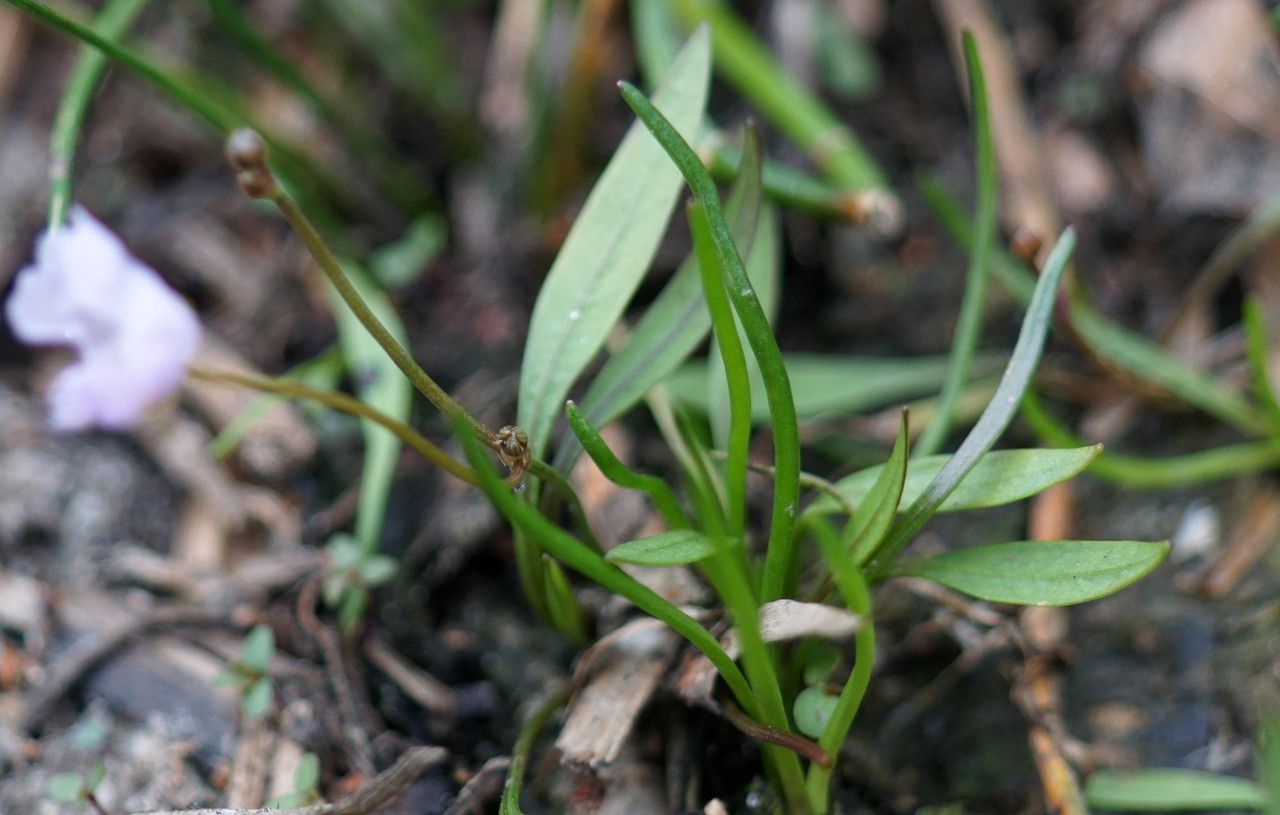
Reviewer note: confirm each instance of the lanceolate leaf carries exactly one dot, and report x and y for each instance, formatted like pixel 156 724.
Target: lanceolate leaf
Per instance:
pixel 607 251
pixel 1000 477
pixel 676 548
pixel 996 417
pixel 672 327
pixel 834 385
pixel 875 514
pixel 1041 573
pixel 1171 790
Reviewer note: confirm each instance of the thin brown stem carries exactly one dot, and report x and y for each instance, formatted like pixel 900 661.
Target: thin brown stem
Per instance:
pixel 346 404
pixel 805 748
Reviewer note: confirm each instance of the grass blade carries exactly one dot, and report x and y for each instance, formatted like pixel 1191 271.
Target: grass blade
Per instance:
pixel 664 500
pixel 827 385
pixel 607 252
pixel 1000 477
pixel 672 327
pixel 876 512
pixel 969 326
pixel 786 435
pixel 114 19
pixel 380 385
pixel 1017 375
pixel 1171 790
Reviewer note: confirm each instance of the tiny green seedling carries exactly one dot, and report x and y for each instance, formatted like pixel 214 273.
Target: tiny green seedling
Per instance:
pixel 353 571
pixel 306 785
pixel 72 788
pixel 249 673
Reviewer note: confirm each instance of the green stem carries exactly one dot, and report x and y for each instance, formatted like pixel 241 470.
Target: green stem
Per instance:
pixel 785 185
pixel 344 403
pixel 579 557
pixel 1154 473
pixel 735 370
pixel 786 435
pixel 114 19
pixel 664 499
pixel 510 804
pixel 1258 352
pixel 969 326
pixel 403 360
pixel 853 588
pixel 797 112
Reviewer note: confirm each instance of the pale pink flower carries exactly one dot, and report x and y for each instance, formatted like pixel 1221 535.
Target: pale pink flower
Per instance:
pixel 133 334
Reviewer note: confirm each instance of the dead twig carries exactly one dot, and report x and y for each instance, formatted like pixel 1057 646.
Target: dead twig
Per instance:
pixel 481 789
pixel 330 645
pixel 368 799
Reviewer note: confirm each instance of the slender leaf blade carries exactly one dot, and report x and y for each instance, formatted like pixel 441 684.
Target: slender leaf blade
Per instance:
pixel 607 251
pixel 875 514
pixel 679 547
pixel 1041 573
pixel 1170 790
pixel 671 328
pixel 829 385
pixel 993 421
pixel 1000 477
pixel 969 324
pixel 380 385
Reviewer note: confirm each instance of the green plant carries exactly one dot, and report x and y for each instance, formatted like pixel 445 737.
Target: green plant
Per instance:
pixel 353 570
pixel 856 529
pixel 249 673
pixel 306 782
pixel 72 788
pixel 1178 790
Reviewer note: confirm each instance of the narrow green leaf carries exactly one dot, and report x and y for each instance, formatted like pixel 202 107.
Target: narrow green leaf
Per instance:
pixel 1267 764
pixel 378 569
pixel 1108 340
pixel 1152 363
pixel 95 775
pixel 1170 790
pixel 1153 473
pixel 969 325
pixel 259 647
pixel 679 547
pixel 352 605
pixel 875 513
pixel 399 263
pixel 607 251
pixel 717 385
pixel 671 328
pixel 257 699
pixel 664 499
pixel 1041 573
pixel 114 19
pixel 1000 477
pixel 307 777
pixel 734 381
pixel 1258 351
pixel 562 605
pixel 379 384
pixel 828 385
pixel 778 572
pixel 66 787
pixel 996 417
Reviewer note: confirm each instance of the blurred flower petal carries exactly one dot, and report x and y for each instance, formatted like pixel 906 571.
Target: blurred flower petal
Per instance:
pixel 134 335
